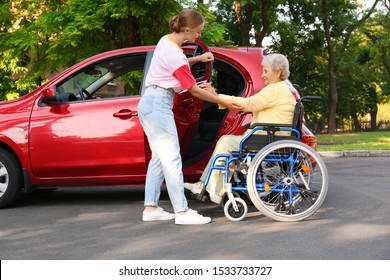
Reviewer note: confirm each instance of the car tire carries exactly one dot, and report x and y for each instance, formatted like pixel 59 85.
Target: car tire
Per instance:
pixel 10 178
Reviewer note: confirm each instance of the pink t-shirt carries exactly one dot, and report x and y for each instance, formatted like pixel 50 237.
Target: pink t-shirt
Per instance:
pixel 169 67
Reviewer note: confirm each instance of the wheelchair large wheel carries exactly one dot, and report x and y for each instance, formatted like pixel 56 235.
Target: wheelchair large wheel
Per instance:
pixel 287 181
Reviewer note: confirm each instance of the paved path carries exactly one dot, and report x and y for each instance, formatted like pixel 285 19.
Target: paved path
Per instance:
pixel 357 153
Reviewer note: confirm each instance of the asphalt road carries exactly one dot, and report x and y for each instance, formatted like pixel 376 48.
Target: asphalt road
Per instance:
pixel 76 224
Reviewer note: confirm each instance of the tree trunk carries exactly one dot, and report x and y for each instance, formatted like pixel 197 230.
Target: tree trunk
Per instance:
pixel 260 34
pixel 356 123
pixel 374 115
pixel 244 19
pixel 124 32
pixel 133 37
pixel 333 94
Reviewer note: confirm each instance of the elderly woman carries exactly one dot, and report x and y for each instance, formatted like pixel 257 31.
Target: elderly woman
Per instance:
pixel 273 104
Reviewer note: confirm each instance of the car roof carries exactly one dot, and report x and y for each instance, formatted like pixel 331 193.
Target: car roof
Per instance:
pixel 247 58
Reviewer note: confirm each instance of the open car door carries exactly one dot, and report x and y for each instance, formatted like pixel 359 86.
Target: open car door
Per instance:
pixel 187 108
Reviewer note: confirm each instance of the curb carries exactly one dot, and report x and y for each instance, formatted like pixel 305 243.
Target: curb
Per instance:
pixel 356 153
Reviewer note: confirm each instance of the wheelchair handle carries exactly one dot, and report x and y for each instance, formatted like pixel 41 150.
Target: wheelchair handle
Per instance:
pixel 309 98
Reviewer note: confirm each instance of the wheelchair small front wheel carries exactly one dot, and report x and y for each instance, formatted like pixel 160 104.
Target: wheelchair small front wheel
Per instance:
pixel 233 213
pixel 225 198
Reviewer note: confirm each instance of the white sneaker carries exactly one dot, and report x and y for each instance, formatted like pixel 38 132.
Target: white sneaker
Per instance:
pixel 191 217
pixel 194 188
pixel 158 214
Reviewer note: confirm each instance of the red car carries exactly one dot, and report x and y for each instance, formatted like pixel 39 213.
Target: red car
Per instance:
pixel 81 129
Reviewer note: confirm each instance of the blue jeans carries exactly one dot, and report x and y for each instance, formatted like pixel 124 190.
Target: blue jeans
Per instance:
pixel 156 116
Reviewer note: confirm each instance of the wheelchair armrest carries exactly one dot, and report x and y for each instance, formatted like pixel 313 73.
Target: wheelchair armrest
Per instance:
pixel 254 125
pixel 270 129
pixel 246 126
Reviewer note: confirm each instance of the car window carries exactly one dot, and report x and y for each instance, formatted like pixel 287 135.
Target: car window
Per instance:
pixel 227 79
pixel 198 69
pixel 125 85
pixel 109 78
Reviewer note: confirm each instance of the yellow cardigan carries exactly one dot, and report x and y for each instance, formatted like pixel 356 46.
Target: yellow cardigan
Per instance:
pixel 273 104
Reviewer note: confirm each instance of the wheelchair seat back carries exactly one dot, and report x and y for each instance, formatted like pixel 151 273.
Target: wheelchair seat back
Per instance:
pixel 254 141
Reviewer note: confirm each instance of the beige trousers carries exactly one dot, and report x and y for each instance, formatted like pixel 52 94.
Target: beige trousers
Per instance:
pixel 225 145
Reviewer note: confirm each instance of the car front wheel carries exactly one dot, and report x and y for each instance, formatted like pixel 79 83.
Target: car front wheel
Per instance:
pixel 10 178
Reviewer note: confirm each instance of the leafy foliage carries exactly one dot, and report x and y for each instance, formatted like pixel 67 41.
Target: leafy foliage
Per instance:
pixel 39 38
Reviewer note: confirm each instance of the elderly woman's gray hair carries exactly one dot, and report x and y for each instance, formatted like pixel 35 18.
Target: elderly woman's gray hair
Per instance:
pixel 278 62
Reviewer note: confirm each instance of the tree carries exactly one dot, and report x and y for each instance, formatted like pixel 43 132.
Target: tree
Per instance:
pixel 322 39
pixel 315 35
pixel 254 19
pixel 226 15
pixel 244 12
pixel 297 33
pixel 43 37
pixel 339 21
pixel 369 49
pixel 39 38
pixel 248 21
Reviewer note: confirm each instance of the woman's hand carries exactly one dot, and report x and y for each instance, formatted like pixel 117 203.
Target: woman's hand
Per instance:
pixel 206 57
pixel 208 87
pixel 208 93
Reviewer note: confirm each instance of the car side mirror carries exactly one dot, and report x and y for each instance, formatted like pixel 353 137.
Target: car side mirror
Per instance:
pixel 49 96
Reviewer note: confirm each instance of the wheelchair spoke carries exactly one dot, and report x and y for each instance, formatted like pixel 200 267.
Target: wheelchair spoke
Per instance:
pixel 304 181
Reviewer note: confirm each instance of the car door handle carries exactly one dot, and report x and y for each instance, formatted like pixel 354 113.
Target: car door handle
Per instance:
pixel 125 114
pixel 187 101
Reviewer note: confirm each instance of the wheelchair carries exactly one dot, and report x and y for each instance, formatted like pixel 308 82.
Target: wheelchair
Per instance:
pixel 285 179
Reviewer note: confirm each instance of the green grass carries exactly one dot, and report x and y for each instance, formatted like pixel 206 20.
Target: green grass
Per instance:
pixel 378 140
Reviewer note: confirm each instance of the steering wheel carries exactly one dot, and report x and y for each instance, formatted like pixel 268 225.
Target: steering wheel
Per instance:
pixel 83 93
pixel 89 96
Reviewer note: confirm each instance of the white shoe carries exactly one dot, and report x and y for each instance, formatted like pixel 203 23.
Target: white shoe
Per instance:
pixel 158 214
pixel 191 217
pixel 195 188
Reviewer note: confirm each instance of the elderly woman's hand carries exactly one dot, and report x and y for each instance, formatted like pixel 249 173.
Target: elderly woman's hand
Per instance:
pixel 230 104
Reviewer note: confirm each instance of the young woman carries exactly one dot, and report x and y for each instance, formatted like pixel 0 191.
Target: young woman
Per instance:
pixel 273 104
pixel 169 73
